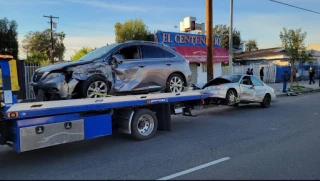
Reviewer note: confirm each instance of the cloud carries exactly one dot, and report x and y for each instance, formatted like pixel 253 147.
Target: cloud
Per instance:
pixel 108 5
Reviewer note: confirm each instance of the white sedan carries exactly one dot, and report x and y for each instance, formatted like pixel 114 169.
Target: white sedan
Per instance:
pixel 233 90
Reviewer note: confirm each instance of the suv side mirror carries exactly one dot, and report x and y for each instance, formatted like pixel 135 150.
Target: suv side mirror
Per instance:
pixel 118 59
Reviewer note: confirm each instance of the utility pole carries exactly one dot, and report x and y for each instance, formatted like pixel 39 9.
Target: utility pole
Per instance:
pixel 51 23
pixel 209 40
pixel 231 38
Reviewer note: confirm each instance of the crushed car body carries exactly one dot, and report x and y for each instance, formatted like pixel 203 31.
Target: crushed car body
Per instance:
pixel 127 68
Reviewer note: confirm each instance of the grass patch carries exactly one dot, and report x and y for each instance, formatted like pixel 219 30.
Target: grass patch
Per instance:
pixel 299 88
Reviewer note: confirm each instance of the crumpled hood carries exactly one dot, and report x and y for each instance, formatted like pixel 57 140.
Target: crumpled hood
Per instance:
pixel 60 66
pixel 217 81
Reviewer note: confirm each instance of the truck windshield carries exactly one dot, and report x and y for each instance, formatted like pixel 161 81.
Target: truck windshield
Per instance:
pixel 98 53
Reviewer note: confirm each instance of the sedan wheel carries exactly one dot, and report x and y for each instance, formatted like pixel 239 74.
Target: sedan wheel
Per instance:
pixel 266 101
pixel 231 98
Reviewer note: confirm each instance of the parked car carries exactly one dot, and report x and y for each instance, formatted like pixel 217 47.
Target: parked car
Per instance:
pixel 235 89
pixel 132 67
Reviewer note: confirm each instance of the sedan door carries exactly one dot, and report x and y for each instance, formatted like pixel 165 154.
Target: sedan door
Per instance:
pixel 247 90
pixel 259 88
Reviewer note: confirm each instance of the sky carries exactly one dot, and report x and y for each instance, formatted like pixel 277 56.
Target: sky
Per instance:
pixel 91 22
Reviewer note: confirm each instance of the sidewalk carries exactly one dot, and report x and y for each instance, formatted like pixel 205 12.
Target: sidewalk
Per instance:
pixel 308 88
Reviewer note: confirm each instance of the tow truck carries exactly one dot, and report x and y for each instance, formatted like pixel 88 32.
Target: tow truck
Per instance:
pixel 35 125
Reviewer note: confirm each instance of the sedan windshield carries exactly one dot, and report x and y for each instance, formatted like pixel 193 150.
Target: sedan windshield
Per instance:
pixel 98 53
pixel 232 78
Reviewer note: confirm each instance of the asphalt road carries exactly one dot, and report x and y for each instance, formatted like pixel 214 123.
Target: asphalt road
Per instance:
pixel 281 142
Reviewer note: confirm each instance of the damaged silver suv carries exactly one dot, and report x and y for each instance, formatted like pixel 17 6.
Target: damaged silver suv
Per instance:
pixel 133 67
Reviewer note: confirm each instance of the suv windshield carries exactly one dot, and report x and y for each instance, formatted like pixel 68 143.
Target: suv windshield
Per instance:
pixel 232 78
pixel 98 53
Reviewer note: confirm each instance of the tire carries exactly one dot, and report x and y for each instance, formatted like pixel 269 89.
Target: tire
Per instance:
pixel 91 82
pixel 231 92
pixel 175 83
pixel 144 124
pixel 266 101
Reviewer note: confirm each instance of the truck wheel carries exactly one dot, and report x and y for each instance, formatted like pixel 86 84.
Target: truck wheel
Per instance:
pixel 94 87
pixel 266 101
pixel 144 124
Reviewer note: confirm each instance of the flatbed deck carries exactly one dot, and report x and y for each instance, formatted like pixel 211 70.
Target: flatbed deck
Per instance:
pixel 35 125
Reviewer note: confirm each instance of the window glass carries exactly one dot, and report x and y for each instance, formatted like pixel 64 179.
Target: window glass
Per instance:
pixel 130 52
pixel 98 53
pixel 256 81
pixel 155 52
pixel 246 80
pixel 232 78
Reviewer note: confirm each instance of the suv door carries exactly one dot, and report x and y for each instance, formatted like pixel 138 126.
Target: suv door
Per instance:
pixel 129 74
pixel 159 66
pixel 258 88
pixel 246 89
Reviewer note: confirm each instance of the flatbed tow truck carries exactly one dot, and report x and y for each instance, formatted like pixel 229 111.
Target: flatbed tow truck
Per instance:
pixel 35 125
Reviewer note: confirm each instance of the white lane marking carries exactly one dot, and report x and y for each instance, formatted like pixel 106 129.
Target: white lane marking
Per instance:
pixel 194 169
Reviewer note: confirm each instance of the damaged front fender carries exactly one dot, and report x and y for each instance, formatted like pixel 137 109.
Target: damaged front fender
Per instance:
pixel 83 72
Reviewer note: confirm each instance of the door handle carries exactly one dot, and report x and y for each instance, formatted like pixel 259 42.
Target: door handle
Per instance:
pixel 141 66
pixel 168 64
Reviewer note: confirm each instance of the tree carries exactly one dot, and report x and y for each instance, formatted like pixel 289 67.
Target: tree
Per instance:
pixel 9 38
pixel 251 45
pixel 40 42
pixel 133 29
pixel 80 53
pixel 37 58
pixel 223 31
pixel 293 42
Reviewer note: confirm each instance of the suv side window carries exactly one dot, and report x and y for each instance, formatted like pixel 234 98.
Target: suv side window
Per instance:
pixel 130 52
pixel 155 52
pixel 246 80
pixel 256 81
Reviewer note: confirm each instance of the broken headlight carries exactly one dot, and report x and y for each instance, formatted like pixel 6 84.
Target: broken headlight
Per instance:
pixel 52 76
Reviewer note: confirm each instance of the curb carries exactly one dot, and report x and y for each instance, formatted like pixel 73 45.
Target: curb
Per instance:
pixel 308 91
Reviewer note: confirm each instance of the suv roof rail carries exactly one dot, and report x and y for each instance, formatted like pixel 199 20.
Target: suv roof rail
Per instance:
pixel 143 41
pixel 139 41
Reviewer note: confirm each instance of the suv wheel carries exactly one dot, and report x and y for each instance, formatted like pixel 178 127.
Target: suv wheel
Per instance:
pixel 175 83
pixel 94 87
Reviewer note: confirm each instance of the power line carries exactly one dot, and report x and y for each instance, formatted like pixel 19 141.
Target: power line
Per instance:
pixel 295 6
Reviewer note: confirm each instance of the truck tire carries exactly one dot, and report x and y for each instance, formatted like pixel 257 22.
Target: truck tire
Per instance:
pixel 97 82
pixel 144 124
